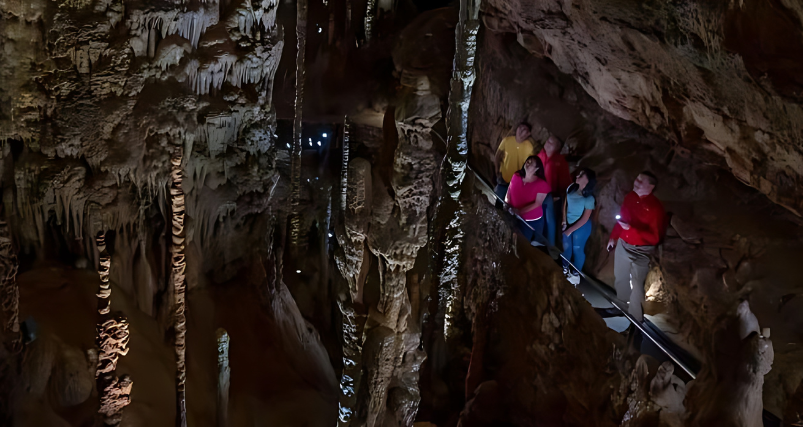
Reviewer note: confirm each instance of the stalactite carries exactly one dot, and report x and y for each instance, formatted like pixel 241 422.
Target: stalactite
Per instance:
pixel 178 284
pixel 450 209
pixel 344 167
pixel 295 177
pixel 9 290
pixel 370 7
pixel 223 377
pixel 112 340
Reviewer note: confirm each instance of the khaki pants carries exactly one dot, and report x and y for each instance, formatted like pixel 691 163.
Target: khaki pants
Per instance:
pixel 630 267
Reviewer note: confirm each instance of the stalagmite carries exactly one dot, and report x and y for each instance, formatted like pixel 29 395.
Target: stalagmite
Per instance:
pixel 223 377
pixel 104 264
pixel 116 396
pixel 453 170
pixel 112 340
pixel 295 177
pixel 351 261
pixel 9 290
pixel 178 284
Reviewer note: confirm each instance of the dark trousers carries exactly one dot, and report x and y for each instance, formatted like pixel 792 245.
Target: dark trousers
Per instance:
pixel 501 192
pixel 533 230
pixel 550 224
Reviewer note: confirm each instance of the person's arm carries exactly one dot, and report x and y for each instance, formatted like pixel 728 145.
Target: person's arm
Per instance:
pixel 539 200
pixel 580 222
pixel 565 220
pixel 617 228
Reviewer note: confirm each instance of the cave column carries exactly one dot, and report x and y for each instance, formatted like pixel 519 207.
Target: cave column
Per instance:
pixel 177 281
pixel 112 340
pixel 450 210
pixel 295 171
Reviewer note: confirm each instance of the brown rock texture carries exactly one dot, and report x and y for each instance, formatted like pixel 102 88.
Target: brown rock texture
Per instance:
pixel 9 290
pixel 720 79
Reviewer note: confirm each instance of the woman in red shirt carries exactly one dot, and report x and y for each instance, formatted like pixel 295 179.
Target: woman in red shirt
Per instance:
pixel 526 194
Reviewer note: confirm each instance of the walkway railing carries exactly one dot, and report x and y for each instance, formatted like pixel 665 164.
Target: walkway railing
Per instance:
pixel 677 355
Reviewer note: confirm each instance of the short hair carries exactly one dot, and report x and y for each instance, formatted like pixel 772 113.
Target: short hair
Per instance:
pixel 555 137
pixel 652 178
pixel 525 123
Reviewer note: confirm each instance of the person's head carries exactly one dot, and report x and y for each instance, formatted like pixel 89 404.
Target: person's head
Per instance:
pixel 532 167
pixel 523 131
pixel 552 145
pixel 586 181
pixel 644 184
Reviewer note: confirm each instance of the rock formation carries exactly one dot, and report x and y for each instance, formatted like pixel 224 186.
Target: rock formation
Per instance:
pixel 223 378
pixel 295 172
pixel 707 77
pixel 155 124
pixel 178 285
pixel 112 341
pixel 9 291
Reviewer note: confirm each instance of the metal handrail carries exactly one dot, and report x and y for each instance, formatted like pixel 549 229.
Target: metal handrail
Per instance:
pixel 595 284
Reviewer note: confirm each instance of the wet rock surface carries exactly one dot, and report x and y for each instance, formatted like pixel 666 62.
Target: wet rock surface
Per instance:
pixel 99 95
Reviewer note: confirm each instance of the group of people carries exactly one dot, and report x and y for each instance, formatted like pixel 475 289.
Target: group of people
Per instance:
pixel 532 183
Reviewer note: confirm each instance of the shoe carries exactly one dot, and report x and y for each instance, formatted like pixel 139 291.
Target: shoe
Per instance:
pixel 574 279
pixel 608 312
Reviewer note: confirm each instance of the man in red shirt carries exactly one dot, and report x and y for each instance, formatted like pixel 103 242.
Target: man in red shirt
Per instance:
pixel 556 170
pixel 640 226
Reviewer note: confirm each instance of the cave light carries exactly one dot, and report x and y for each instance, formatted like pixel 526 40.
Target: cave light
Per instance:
pixel 298 271
pixel 319 143
pixel 324 134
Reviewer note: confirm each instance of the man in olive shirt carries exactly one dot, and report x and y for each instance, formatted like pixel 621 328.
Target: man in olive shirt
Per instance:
pixel 510 157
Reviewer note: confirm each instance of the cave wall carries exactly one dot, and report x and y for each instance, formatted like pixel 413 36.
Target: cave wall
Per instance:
pixel 96 97
pixel 714 255
pixel 720 79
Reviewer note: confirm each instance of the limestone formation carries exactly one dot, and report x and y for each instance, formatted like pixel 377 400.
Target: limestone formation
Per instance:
pixel 178 285
pixel 223 378
pixel 104 264
pixel 9 290
pixel 705 76
pixel 116 396
pixel 295 172
pixel 112 341
pixel 450 210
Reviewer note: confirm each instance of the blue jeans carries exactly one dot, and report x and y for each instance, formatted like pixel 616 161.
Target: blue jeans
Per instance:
pixel 501 192
pixel 574 246
pixel 536 232
pixel 549 216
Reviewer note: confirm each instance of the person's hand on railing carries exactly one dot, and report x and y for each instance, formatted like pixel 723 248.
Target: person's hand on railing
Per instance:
pixel 611 244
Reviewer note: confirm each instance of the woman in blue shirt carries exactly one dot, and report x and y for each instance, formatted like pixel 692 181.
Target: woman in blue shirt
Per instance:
pixel 577 211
